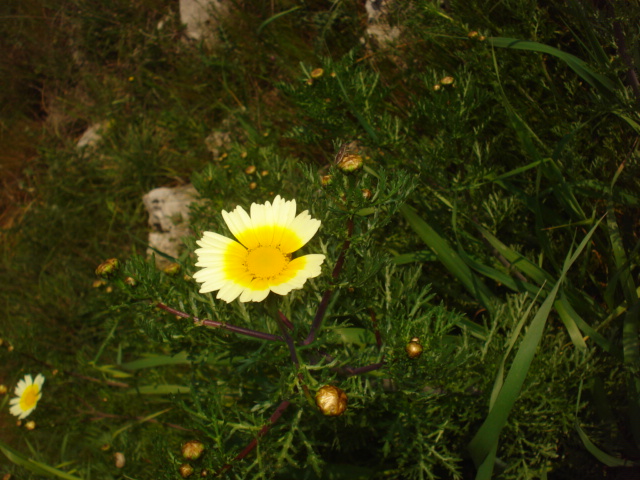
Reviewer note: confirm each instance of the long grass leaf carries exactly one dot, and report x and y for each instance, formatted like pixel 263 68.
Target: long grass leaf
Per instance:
pixel 449 258
pixel 599 82
pixel 517 261
pixel 275 17
pixel 486 438
pixel 160 390
pixel 38 468
pixel 567 317
pixel 608 460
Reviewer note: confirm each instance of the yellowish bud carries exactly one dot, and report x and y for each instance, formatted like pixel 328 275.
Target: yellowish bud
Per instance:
pixel 185 470
pixel 366 193
pixel 98 283
pixel 437 87
pixel 264 173
pixel 473 34
pixel 253 185
pixel 350 162
pixel 172 269
pixel 3 389
pixel 119 460
pixel 414 349
pixel 130 281
pixel 192 450
pixel 30 425
pixel 326 180
pixel 317 73
pixel 448 80
pixel 332 401
pixel 108 267
pixel 250 169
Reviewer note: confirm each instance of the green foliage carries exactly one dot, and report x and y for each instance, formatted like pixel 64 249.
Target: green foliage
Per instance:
pixel 494 218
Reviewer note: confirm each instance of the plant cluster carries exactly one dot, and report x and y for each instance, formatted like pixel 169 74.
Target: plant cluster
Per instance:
pixel 474 187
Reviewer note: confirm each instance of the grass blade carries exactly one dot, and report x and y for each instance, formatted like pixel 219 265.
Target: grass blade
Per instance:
pixel 449 258
pixel 36 467
pixel 608 460
pixel 275 17
pixel 486 438
pixel 599 82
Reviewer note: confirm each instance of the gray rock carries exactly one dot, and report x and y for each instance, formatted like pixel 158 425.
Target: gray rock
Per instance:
pixel 169 220
pixel 202 17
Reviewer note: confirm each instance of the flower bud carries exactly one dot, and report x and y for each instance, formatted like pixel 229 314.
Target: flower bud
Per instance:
pixel 204 473
pixel 130 281
pixel 473 34
pixel 253 185
pixel 448 80
pixel 331 400
pixel 350 162
pixel 264 173
pixel 108 267
pixel 185 470
pixel 3 389
pixel 192 450
pixel 250 169
pixel 118 459
pixel 326 180
pixel 98 283
pixel 30 425
pixel 413 348
pixel 317 73
pixel 366 193
pixel 172 269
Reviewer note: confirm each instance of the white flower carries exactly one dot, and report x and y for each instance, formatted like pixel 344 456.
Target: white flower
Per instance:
pixel 260 261
pixel 27 394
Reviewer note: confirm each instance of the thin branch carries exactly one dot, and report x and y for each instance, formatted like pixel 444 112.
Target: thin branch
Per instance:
pixel 282 323
pixel 273 419
pixel 360 370
pixel 621 42
pixel 97 415
pixel 225 326
pixel 375 328
pixel 324 303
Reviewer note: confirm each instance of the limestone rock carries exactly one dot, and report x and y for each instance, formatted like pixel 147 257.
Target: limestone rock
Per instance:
pixel 91 136
pixel 169 220
pixel 201 18
pixel 378 27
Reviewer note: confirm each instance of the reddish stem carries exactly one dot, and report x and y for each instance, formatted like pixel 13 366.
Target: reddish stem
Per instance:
pixel 225 326
pixel 375 328
pixel 273 419
pixel 324 303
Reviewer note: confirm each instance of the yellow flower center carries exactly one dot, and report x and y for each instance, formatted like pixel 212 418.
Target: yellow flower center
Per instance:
pixel 29 397
pixel 266 261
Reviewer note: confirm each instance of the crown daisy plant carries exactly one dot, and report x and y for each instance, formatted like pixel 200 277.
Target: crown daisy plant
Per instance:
pixel 260 261
pixel 27 395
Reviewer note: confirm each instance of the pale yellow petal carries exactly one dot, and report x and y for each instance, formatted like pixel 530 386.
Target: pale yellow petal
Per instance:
pixel 300 231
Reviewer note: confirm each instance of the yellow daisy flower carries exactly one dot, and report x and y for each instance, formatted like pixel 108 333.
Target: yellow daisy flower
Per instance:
pixel 28 393
pixel 260 261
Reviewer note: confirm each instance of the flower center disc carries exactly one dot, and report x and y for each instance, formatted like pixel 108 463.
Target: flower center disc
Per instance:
pixel 29 397
pixel 266 262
